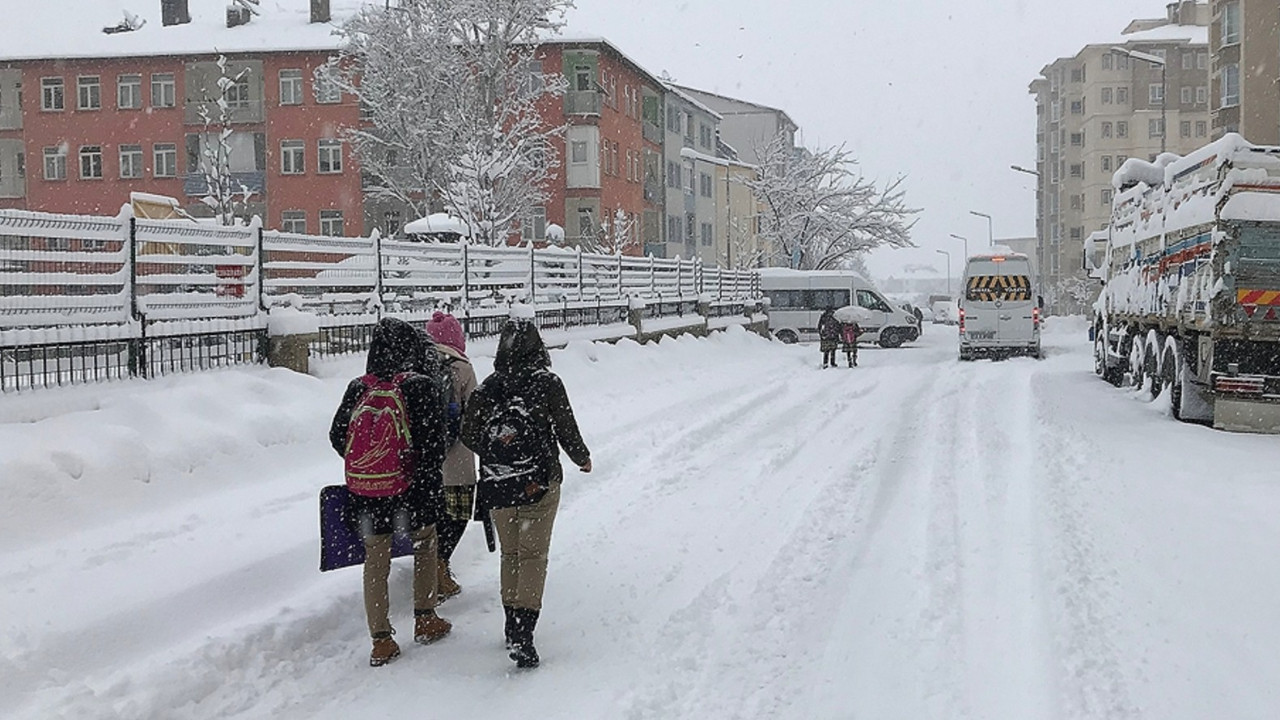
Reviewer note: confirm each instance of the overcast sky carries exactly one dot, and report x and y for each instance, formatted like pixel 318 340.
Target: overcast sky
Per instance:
pixel 933 90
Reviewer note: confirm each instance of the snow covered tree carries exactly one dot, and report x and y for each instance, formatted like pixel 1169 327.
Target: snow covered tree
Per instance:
pixel 451 88
pixel 818 213
pixel 615 235
pixel 224 193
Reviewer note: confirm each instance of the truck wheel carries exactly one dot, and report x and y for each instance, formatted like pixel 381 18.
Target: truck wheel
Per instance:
pixel 1151 368
pixel 890 338
pixel 1099 355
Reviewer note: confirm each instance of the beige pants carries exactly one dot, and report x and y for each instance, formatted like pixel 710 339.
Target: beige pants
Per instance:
pixel 525 535
pixel 377 567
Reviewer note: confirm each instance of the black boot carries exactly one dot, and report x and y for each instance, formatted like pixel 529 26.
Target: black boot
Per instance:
pixel 508 628
pixel 522 650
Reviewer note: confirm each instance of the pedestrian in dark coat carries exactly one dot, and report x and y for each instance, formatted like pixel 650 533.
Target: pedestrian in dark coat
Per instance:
pixel 522 383
pixel 828 336
pixel 397 350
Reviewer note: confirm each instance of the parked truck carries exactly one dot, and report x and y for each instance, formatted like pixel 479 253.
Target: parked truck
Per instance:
pixel 1191 284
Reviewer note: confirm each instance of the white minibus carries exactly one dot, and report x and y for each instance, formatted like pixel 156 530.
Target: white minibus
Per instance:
pixel 999 310
pixel 798 297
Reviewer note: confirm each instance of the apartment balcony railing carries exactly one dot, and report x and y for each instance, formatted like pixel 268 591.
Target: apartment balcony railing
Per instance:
pixel 582 102
pixel 197 184
pixel 654 133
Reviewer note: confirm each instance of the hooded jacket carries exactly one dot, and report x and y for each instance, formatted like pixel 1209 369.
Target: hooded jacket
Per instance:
pixel 522 367
pixel 459 462
pixel 397 347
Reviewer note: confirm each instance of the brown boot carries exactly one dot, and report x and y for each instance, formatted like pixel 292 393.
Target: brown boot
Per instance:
pixel 385 650
pixel 429 627
pixel 446 586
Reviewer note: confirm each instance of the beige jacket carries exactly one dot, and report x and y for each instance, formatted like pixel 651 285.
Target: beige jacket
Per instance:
pixel 459 462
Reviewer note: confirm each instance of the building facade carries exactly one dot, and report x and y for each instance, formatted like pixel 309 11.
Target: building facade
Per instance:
pixel 1244 39
pixel 1100 107
pixel 746 126
pixel 689 164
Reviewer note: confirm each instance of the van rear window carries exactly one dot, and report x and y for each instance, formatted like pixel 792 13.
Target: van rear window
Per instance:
pixel 1005 288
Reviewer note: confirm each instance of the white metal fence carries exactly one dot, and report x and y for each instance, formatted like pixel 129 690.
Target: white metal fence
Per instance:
pixel 85 297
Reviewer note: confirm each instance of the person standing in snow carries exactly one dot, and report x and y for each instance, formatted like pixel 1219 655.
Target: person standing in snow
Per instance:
pixel 517 421
pixel 460 463
pixel 395 352
pixel 849 333
pixel 828 336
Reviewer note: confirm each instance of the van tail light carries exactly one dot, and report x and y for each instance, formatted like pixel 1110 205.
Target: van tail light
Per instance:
pixel 1239 384
pixel 961 321
pixel 1035 316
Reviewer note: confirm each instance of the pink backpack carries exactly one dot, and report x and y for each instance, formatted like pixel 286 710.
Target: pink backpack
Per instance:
pixel 850 333
pixel 379 453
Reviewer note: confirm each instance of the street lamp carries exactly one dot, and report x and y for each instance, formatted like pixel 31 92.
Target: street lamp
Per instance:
pixel 1164 87
pixel 964 240
pixel 1039 222
pixel 991 238
pixel 944 252
pixel 1021 169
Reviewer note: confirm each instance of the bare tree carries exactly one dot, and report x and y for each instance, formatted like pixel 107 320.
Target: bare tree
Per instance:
pixel 224 193
pixel 451 88
pixel 615 235
pixel 818 213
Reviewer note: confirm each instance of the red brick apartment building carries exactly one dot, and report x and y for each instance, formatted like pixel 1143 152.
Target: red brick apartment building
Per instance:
pixel 86 117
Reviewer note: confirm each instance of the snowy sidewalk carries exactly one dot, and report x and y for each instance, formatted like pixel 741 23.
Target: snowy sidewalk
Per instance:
pixel 914 538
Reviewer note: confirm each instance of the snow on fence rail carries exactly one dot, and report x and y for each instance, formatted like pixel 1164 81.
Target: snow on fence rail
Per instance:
pixel 84 298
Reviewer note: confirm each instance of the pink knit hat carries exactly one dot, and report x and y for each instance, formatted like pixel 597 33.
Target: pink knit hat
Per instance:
pixel 445 329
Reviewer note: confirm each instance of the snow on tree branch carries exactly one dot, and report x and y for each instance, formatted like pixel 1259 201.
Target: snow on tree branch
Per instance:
pixel 818 214
pixel 225 194
pixel 451 89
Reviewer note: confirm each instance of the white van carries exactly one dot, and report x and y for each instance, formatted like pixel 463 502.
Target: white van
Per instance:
pixel 999 310
pixel 798 298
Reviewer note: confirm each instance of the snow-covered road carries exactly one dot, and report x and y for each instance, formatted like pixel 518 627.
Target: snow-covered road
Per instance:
pixel 914 538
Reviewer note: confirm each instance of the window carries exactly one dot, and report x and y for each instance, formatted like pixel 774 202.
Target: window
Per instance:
pixel 129 92
pixel 1077 107
pixel 1155 128
pixel 1106 94
pixel 330 158
pixel 331 223
pixel 1106 196
pixel 582 78
pixel 1184 129
pixel 1106 129
pixel 707 236
pixel 1202 95
pixel 1107 61
pixel 89 92
pixel 1075 203
pixel 1122 62
pixel 704 185
pixel 293 157
pixel 52 97
pixel 1122 96
pixel 91 162
pixel 1187 95
pixel 1122 128
pixel 293 221
pixel 534 225
pixel 1230 85
pixel 1077 170
pixel 1202 61
pixel 673 175
pixel 690 226
pixel 326 90
pixel 237 94
pixel 688 127
pixel 164 159
pixel 673 228
pixel 1077 139
pixel 1076 234
pixel 578 151
pixel 290 87
pixel 1106 163
pixel 1077 75
pixel 1155 92
pixel 130 161
pixel 866 299
pixel 1188 60
pixel 55 163
pixel 1231 23
pixel 163 90
pixel 673 120
pixel 1202 128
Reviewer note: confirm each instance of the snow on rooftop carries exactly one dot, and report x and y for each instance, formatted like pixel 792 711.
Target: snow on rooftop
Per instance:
pixel 1194 34
pixel 73 29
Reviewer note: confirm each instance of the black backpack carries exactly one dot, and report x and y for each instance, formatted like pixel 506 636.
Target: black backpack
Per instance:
pixel 513 451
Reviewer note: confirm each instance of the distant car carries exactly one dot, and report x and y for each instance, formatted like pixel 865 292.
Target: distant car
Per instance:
pixel 945 312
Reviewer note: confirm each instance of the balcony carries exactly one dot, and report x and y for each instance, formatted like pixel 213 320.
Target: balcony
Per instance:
pixel 582 102
pixel 197 185
pixel 654 133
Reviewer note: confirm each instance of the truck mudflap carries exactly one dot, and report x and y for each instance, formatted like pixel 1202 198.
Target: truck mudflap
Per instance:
pixel 1240 415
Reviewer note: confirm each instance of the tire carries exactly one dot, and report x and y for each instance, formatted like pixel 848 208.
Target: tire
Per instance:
pixel 1099 355
pixel 891 338
pixel 787 337
pixel 913 334
pixel 1152 368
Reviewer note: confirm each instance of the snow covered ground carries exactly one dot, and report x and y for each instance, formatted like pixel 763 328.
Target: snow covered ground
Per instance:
pixel 915 538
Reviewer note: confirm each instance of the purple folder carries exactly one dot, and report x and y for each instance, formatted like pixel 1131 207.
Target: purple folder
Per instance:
pixel 340 542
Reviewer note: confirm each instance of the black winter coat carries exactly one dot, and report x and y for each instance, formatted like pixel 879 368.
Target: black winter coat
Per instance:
pixel 397 347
